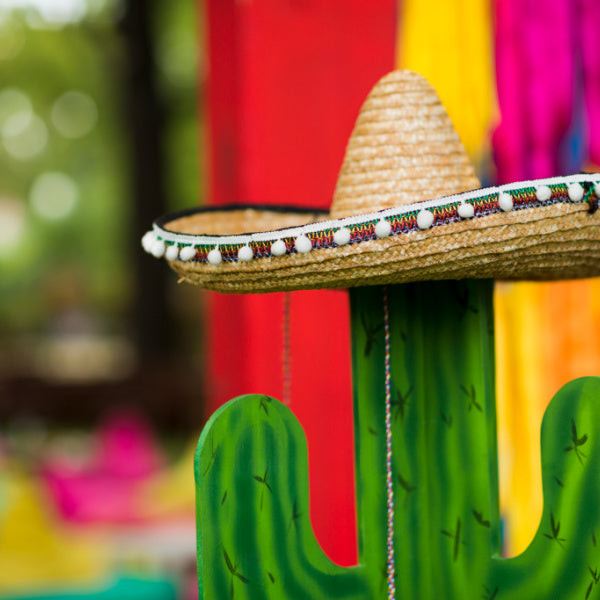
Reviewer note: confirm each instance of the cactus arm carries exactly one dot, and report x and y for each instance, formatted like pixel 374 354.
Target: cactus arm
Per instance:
pixel 254 535
pixel 563 560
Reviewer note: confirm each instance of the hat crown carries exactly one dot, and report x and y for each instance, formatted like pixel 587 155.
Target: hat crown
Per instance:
pixel 403 149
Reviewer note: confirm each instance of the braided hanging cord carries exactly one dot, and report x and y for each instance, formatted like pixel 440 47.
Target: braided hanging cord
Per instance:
pixel 286 366
pixel 388 454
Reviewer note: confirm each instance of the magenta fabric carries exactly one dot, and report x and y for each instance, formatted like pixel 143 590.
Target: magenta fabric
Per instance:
pixel 537 64
pixel 588 26
pixel 106 488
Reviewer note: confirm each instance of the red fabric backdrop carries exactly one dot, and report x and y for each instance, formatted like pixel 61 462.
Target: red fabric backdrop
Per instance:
pixel 287 78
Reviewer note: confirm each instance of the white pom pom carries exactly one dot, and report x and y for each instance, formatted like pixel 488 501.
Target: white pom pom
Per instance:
pixel 303 244
pixel 214 256
pixel 543 193
pixel 575 191
pixel 245 253
pixel 187 253
pixel 505 201
pixel 425 219
pixel 383 229
pixel 278 248
pixel 597 190
pixel 172 252
pixel 158 248
pixel 148 241
pixel 466 211
pixel 342 236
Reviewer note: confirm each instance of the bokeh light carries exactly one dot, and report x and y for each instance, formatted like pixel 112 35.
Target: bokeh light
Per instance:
pixel 74 114
pixel 53 195
pixel 12 224
pixel 25 139
pixel 17 123
pixel 12 41
pixel 12 102
pixel 51 12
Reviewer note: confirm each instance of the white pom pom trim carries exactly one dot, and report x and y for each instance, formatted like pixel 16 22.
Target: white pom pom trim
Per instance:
pixel 342 236
pixel 245 253
pixel 425 219
pixel 148 240
pixel 303 244
pixel 505 201
pixel 158 248
pixel 159 241
pixel 187 253
pixel 383 229
pixel 543 193
pixel 575 191
pixel 278 248
pixel 214 257
pixel 172 252
pixel 466 211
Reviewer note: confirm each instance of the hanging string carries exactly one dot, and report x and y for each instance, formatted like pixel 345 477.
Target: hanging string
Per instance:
pixel 388 454
pixel 287 375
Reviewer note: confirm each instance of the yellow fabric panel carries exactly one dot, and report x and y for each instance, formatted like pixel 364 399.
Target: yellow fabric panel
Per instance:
pixel 37 551
pixel 520 399
pixel 172 492
pixel 546 335
pixel 450 43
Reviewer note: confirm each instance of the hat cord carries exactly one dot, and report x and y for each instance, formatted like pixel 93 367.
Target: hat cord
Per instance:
pixel 388 454
pixel 286 363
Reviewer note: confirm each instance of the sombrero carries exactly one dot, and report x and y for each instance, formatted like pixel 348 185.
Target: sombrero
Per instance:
pixel 407 207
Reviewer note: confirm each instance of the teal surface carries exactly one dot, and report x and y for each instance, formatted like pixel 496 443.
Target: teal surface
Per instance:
pixel 254 535
pixel 124 588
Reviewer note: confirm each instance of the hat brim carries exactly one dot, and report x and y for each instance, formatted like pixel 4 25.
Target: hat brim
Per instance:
pixel 536 230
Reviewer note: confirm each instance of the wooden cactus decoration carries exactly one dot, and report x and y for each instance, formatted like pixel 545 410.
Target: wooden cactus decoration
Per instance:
pixel 254 534
pixel 423 364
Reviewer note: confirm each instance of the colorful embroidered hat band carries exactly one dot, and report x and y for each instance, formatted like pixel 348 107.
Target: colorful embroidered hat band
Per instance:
pixel 214 249
pixel 399 213
pixel 576 194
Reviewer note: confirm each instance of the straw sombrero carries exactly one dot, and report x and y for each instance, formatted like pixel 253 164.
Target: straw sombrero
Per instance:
pixel 407 207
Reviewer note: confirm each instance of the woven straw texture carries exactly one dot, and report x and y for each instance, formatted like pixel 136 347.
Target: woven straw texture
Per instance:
pixel 404 149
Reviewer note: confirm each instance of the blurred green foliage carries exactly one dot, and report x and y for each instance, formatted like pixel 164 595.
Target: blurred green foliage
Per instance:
pixel 82 254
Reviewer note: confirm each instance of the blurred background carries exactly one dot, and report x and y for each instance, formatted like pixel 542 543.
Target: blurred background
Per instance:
pixel 99 126
pixel 100 365
pixel 113 112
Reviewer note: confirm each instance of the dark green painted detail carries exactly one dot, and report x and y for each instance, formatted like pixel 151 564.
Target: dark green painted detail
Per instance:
pixel 254 534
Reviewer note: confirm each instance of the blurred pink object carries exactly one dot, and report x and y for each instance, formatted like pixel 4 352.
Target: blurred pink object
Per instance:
pixel 127 447
pixel 588 15
pixel 104 489
pixel 547 66
pixel 535 65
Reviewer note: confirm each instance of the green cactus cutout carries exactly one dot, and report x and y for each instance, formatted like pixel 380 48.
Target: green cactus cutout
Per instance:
pixel 254 535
